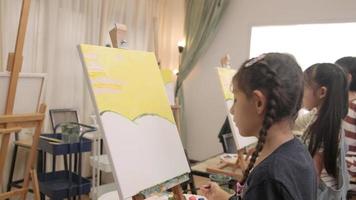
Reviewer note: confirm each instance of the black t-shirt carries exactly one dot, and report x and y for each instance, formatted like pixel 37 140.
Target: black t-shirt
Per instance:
pixel 288 173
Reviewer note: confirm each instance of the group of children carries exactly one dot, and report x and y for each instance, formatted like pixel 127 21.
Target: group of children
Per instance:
pixel 269 92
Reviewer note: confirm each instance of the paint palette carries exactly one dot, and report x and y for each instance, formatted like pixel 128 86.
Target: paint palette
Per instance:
pixel 170 196
pixel 228 158
pixel 114 195
pixel 194 197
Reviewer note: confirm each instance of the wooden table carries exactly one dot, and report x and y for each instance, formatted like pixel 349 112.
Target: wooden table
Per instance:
pixel 114 196
pixel 200 169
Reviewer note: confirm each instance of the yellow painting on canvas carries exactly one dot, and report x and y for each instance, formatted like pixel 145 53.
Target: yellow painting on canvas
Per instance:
pixel 225 77
pixel 114 75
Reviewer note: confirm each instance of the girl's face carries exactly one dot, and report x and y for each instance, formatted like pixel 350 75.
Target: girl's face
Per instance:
pixel 313 96
pixel 247 114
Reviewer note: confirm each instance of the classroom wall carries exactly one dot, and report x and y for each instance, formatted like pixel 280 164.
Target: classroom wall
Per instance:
pixel 204 113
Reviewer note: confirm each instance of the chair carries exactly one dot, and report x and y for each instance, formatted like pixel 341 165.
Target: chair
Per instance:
pixel 62 116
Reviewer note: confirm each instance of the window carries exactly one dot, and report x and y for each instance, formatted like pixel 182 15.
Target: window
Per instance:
pixel 310 43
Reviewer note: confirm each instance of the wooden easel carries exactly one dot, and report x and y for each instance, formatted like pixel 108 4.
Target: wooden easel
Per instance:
pixel 231 168
pixel 13 123
pixel 117 34
pixel 177 191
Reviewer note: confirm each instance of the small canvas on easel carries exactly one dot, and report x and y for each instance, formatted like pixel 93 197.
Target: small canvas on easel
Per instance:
pixel 30 86
pixel 231 168
pixel 168 80
pixel 137 122
pixel 225 78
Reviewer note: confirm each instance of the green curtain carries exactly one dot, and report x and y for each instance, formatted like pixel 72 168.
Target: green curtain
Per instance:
pixel 201 24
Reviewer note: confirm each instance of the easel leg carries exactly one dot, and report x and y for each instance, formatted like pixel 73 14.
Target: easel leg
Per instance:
pixel 3 153
pixel 178 192
pixel 192 184
pixel 35 185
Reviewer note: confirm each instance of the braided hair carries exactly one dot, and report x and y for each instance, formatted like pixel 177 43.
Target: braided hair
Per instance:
pixel 279 77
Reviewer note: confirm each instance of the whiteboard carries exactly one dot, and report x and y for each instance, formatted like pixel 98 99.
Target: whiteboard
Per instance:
pixel 28 92
pixel 135 118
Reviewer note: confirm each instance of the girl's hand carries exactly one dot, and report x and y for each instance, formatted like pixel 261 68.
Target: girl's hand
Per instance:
pixel 212 191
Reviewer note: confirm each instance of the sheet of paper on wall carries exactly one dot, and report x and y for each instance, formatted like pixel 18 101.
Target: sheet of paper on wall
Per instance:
pixel 135 116
pixel 225 78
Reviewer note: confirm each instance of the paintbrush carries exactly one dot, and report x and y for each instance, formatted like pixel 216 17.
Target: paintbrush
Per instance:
pixel 205 187
pixel 53 140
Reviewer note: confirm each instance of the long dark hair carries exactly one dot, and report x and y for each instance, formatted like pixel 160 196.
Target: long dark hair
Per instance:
pixel 349 65
pixel 324 132
pixel 280 78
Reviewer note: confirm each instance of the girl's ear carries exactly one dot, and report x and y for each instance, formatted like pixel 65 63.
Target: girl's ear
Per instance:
pixel 260 101
pixel 322 92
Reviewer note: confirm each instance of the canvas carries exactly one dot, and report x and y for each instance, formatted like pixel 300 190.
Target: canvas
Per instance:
pixel 225 78
pixel 135 116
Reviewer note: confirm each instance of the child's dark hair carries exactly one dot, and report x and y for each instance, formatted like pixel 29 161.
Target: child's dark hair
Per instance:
pixel 324 131
pixel 349 66
pixel 280 78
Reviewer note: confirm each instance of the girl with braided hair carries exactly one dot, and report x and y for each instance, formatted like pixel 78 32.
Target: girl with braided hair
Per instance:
pixel 268 91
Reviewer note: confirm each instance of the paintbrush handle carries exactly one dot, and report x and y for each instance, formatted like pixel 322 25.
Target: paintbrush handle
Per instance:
pixel 51 139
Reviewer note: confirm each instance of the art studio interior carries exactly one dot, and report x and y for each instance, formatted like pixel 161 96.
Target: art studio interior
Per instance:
pixel 177 99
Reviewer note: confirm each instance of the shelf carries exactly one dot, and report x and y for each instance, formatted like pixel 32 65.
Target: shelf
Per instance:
pixel 57 185
pixel 62 148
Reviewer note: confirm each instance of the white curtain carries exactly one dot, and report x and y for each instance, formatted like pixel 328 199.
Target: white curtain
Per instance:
pixel 170 31
pixel 153 25
pixel 54 30
pixel 56 27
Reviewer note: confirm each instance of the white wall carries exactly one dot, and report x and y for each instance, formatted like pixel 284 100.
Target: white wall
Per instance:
pixel 204 115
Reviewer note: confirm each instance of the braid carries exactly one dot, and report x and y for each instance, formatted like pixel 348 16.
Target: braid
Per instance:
pixel 269 119
pixel 280 79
